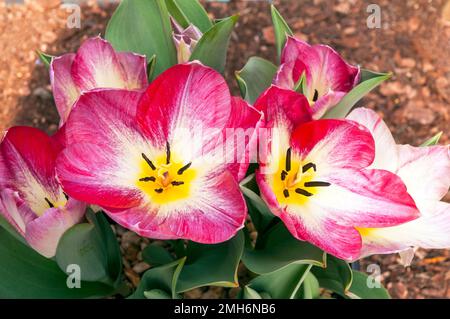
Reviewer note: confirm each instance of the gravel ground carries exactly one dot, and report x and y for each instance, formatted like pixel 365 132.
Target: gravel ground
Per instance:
pixel 413 42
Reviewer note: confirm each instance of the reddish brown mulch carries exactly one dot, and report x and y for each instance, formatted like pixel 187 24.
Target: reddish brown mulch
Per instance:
pixel 414 43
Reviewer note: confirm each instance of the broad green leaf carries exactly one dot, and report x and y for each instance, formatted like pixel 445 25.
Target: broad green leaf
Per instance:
pixel 257 209
pixel 45 58
pixel 156 255
pixel 159 282
pixel 278 249
pixel 255 78
pixel 362 288
pixel 189 12
pixel 26 274
pixel 336 276
pixel 249 293
pixel 212 47
pixel 143 27
pixel 211 265
pixel 432 141
pixel 369 81
pixel 281 284
pixel 151 67
pixel 281 29
pixel 310 288
pixel 92 246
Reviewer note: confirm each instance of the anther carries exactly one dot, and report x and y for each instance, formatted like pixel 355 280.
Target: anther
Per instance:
pixel 288 160
pixel 167 153
pixel 185 167
pixel 149 162
pixel 175 183
pixel 148 179
pixel 286 193
pixel 159 190
pixel 316 96
pixel 66 196
pixel 283 175
pixel 317 184
pixel 308 166
pixel 303 192
pixel 49 202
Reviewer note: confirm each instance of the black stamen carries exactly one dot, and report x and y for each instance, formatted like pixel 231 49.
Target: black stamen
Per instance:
pixel 316 95
pixel 288 160
pixel 306 167
pixel 167 153
pixel 175 183
pixel 286 193
pixel 147 179
pixel 283 175
pixel 303 192
pixel 66 196
pixel 159 190
pixel 149 162
pixel 317 184
pixel 49 202
pixel 185 167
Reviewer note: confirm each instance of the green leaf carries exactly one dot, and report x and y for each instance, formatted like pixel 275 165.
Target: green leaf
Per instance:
pixel 336 276
pixel 369 81
pixel 45 58
pixel 156 255
pixel 281 284
pixel 249 293
pixel 159 282
pixel 212 47
pixel 278 249
pixel 11 230
pixel 211 265
pixel 361 289
pixel 281 29
pixel 310 288
pixel 255 78
pixel 92 246
pixel 26 274
pixel 151 67
pixel 432 141
pixel 189 12
pixel 143 27
pixel 257 209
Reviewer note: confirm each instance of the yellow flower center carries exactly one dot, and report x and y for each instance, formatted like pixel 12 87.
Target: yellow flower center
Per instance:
pixel 165 179
pixel 294 182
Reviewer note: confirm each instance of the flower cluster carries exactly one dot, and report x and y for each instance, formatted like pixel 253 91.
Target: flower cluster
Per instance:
pixel 134 149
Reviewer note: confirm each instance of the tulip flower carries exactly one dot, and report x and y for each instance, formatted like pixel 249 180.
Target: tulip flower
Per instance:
pixel 426 174
pixel 328 76
pixel 95 65
pixel 143 162
pixel 31 199
pixel 316 178
pixel 185 40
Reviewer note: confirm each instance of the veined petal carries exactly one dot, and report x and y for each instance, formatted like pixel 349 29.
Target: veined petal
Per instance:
pixel 386 155
pixel 326 102
pixel 64 88
pixel 213 215
pixel 43 233
pixel 431 231
pixel 135 68
pixel 15 211
pixel 424 170
pixel 184 102
pixel 96 65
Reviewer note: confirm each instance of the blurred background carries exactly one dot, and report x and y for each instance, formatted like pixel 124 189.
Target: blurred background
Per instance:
pixel 410 38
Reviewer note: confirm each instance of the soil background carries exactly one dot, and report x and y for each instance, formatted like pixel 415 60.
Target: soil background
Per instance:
pixel 413 42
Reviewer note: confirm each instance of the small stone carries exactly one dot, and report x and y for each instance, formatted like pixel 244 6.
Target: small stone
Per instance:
pixel 269 34
pixel 408 63
pixel 139 268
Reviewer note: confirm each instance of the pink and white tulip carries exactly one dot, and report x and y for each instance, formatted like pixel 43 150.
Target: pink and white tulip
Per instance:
pixel 328 77
pixel 31 199
pixel 95 65
pixel 316 177
pixel 143 161
pixel 426 174
pixel 185 40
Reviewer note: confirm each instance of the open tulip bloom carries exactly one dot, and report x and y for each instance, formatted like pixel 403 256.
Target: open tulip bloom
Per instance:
pixel 327 76
pixel 31 199
pixel 142 161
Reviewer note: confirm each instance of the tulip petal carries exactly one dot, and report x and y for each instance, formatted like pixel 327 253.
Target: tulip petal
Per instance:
pixel 431 231
pixel 96 65
pixel 385 148
pixel 324 103
pixel 43 233
pixel 135 68
pixel 64 88
pixel 213 215
pixel 16 212
pixel 183 101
